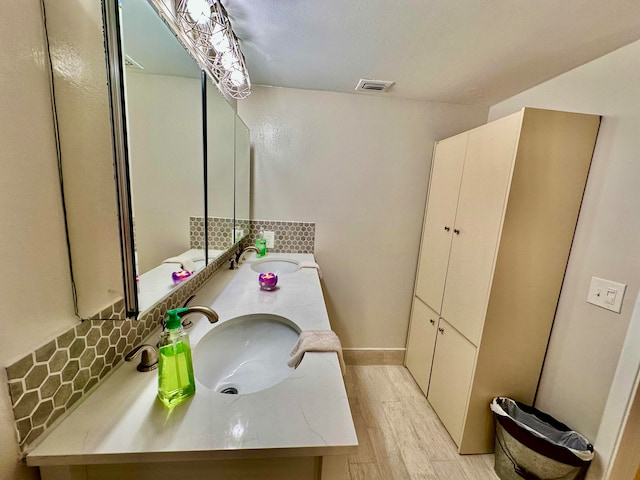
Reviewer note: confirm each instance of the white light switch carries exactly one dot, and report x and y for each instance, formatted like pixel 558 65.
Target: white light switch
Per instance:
pixel 270 237
pixel 606 294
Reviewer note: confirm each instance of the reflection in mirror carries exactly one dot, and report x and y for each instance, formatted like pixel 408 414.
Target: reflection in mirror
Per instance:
pixel 220 153
pixel 164 126
pixel 242 179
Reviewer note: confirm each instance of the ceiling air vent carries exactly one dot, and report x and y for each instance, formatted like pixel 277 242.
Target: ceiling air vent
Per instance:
pixel 373 85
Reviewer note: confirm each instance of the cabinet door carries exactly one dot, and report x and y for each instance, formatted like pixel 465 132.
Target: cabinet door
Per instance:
pixel 485 181
pixel 446 174
pixel 451 374
pixel 422 340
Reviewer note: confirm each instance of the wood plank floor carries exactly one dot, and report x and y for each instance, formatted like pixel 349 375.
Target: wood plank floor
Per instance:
pixel 400 436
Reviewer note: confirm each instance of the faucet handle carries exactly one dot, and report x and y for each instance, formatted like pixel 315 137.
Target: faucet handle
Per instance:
pixel 149 359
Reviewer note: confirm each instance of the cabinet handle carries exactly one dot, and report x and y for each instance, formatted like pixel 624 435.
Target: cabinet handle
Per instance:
pixel 446 229
pixel 456 231
pixel 441 330
pixel 432 321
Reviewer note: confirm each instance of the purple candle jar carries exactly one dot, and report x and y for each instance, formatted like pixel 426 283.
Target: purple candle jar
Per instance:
pixel 268 281
pixel 180 276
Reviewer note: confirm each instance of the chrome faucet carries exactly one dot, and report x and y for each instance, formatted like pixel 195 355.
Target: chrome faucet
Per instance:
pixel 211 315
pixel 239 258
pixel 149 360
pixel 208 312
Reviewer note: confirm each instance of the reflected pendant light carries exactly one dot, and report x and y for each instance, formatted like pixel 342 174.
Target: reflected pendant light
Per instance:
pixel 207 24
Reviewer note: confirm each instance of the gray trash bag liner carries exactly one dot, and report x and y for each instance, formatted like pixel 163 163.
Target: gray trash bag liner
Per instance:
pixel 541 432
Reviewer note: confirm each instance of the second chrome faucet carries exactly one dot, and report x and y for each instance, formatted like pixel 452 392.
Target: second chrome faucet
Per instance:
pixel 239 257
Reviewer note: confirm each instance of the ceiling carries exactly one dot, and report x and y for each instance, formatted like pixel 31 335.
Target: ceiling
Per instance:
pixel 148 41
pixel 474 52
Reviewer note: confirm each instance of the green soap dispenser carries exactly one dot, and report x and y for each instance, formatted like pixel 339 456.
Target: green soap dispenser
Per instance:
pixel 261 245
pixel 175 367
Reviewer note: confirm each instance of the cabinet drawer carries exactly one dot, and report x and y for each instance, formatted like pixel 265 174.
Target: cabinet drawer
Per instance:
pixel 422 339
pixel 451 374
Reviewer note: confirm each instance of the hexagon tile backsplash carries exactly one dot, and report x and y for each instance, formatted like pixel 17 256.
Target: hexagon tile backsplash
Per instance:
pixel 290 237
pixel 45 384
pixel 48 382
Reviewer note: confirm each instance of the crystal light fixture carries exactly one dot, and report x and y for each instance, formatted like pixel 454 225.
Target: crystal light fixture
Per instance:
pixel 206 22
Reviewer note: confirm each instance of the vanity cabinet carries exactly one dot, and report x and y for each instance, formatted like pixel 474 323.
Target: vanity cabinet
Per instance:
pixel 503 204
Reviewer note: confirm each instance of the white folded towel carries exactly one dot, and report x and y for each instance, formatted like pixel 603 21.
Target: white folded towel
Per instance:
pixel 311 265
pixel 316 341
pixel 185 262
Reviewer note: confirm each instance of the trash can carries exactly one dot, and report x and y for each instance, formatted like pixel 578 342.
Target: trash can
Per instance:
pixel 532 445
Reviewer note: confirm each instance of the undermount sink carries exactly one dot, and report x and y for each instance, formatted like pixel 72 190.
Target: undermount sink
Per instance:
pixel 276 265
pixel 245 354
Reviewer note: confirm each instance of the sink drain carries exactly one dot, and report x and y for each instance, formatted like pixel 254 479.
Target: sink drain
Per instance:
pixel 230 390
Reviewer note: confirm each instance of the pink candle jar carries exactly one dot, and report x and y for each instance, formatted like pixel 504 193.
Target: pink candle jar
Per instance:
pixel 268 281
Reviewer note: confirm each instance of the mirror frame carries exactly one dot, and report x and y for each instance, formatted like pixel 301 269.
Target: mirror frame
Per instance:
pixel 115 77
pixel 205 171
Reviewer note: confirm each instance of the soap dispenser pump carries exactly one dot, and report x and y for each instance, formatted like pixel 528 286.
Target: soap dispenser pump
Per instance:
pixel 261 245
pixel 175 367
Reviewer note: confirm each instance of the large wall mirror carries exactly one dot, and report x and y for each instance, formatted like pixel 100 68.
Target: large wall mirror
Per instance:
pixel 242 180
pixel 159 125
pixel 181 153
pixel 220 158
pixel 164 125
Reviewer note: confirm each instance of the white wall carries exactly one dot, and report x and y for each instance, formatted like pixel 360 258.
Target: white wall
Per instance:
pixel 358 166
pixel 36 301
pixel 165 130
pixel 619 419
pixel 586 340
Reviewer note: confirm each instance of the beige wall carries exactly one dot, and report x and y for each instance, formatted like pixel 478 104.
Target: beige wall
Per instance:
pixel 36 301
pixel 586 340
pixel 358 166
pixel 165 127
pixel 84 121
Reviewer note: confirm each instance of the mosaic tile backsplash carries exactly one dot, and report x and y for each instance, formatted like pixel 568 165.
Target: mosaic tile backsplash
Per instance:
pixel 220 232
pixel 290 237
pixel 48 382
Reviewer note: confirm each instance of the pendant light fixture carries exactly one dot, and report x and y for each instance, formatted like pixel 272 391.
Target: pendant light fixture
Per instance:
pixel 207 24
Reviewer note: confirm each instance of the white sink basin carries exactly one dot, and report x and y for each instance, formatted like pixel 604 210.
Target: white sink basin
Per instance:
pixel 276 265
pixel 245 354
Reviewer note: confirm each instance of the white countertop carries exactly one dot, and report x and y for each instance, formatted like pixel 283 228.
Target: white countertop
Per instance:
pixel 306 414
pixel 156 284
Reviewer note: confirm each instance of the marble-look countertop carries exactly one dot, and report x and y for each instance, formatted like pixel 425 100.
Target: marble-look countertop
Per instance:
pixel 307 414
pixel 156 284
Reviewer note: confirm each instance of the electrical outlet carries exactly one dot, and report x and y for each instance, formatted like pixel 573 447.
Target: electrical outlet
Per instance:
pixel 606 294
pixel 270 237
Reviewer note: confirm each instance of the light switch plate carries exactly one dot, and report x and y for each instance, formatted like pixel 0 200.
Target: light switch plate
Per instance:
pixel 270 237
pixel 606 294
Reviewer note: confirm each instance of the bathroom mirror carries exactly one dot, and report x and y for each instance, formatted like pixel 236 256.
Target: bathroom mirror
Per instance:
pixel 163 99
pixel 220 169
pixel 242 179
pixel 157 156
pixel 178 147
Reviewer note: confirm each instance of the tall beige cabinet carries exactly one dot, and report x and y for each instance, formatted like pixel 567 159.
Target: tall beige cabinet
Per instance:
pixel 503 204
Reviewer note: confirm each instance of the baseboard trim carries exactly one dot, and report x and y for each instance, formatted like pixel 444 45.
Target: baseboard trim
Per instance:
pixel 373 356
